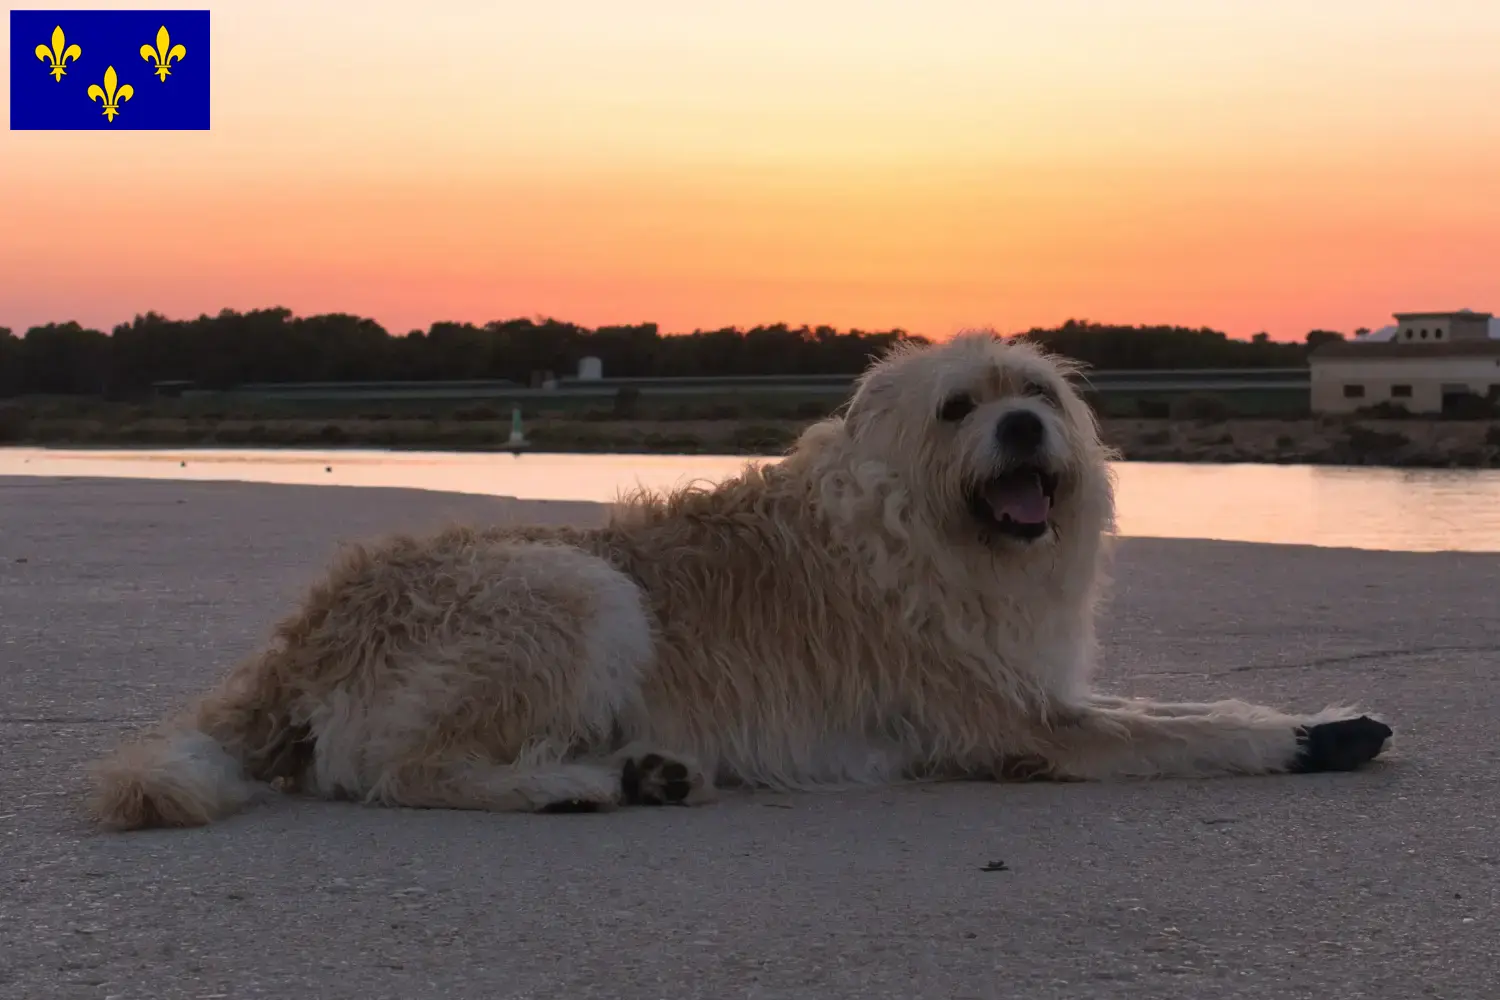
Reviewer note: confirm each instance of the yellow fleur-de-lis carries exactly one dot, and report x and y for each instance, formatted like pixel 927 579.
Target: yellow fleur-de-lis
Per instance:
pixel 59 54
pixel 163 54
pixel 110 95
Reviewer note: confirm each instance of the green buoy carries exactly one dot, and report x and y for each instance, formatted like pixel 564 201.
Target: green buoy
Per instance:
pixel 517 435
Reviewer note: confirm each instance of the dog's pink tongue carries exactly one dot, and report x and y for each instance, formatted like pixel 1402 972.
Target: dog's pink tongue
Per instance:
pixel 1019 496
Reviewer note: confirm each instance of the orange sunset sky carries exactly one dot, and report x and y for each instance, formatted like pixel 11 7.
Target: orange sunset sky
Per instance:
pixel 931 164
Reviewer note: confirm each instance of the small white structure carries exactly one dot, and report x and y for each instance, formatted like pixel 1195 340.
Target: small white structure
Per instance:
pixel 590 369
pixel 1437 328
pixel 1430 358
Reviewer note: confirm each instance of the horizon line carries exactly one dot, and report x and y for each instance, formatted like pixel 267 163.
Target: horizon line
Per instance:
pixel 541 319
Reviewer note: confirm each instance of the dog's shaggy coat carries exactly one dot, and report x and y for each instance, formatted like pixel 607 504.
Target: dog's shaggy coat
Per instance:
pixel 909 593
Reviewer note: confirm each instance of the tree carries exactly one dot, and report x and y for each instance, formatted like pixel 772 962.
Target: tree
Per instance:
pixel 273 345
pixel 11 375
pixel 65 358
pixel 1141 347
pixel 1317 338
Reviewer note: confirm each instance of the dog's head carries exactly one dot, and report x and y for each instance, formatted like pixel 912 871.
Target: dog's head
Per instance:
pixel 984 435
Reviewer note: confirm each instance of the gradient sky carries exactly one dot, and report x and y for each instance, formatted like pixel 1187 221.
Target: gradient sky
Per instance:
pixel 1273 165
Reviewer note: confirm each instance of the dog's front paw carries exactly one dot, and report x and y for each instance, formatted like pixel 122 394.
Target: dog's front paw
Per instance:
pixel 1339 746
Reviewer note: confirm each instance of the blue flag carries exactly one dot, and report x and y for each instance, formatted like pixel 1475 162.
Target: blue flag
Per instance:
pixel 109 69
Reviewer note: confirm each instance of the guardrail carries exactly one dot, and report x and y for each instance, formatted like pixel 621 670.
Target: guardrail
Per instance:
pixel 1208 380
pixel 1144 380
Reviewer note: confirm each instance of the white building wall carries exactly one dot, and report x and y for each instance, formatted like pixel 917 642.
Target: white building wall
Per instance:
pixel 1426 378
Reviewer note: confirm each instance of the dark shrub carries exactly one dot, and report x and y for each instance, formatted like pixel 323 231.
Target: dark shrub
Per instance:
pixel 1369 442
pixel 1201 407
pixel 1385 410
pixel 13 424
pixel 627 398
pixel 682 444
pixel 1467 406
pixel 1153 409
pixel 722 411
pixel 761 439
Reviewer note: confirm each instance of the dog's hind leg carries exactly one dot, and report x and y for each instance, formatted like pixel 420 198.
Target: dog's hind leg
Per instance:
pixel 541 781
pixel 1230 737
pixel 504 678
pixel 207 762
pixel 528 785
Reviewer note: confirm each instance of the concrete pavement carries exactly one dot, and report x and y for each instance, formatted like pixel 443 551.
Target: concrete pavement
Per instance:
pixel 120 598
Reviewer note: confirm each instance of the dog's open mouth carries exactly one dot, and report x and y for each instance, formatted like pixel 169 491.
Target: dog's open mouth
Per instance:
pixel 1017 503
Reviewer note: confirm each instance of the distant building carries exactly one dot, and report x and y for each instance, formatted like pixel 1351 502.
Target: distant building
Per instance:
pixel 1432 362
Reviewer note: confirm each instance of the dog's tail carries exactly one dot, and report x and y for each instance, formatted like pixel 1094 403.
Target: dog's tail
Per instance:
pixel 206 763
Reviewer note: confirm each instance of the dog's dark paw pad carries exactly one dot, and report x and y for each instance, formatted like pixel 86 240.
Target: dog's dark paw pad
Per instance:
pixel 1339 746
pixel 654 780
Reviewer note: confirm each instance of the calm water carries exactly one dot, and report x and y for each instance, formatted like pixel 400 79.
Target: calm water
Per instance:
pixel 1413 510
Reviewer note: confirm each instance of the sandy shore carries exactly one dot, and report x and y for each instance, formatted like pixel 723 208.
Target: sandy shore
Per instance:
pixel 119 598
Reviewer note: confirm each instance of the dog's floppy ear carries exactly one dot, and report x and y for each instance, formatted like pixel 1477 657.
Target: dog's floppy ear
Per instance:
pixel 880 385
pixel 873 391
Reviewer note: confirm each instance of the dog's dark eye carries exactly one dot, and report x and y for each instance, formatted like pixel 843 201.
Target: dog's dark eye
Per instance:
pixel 956 408
pixel 1042 391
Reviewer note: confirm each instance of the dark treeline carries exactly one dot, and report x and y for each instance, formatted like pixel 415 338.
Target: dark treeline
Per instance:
pixel 1139 347
pixel 272 345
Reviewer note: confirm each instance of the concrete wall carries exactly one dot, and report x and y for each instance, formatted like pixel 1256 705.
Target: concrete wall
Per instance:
pixel 1441 329
pixel 1426 378
pixel 1424 331
pixel 1471 328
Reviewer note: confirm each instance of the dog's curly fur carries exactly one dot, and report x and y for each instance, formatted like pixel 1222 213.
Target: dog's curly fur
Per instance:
pixel 854 613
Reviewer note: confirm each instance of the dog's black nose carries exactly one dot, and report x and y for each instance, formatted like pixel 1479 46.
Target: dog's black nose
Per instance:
pixel 1020 433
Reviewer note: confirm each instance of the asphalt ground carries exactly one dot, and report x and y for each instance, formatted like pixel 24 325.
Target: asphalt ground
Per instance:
pixel 120 599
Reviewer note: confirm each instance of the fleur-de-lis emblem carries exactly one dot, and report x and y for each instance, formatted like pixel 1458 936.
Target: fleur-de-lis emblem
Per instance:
pixel 110 94
pixel 59 54
pixel 164 53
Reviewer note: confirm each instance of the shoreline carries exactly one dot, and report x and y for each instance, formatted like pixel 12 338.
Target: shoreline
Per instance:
pixel 1403 443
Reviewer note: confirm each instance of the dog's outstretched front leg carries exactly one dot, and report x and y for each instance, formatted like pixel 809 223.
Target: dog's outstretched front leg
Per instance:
pixel 1169 708
pixel 1132 738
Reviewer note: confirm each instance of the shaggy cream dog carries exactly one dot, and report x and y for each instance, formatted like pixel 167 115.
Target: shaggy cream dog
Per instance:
pixel 910 593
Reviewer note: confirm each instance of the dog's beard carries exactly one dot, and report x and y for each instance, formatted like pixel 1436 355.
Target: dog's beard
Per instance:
pixel 1015 503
